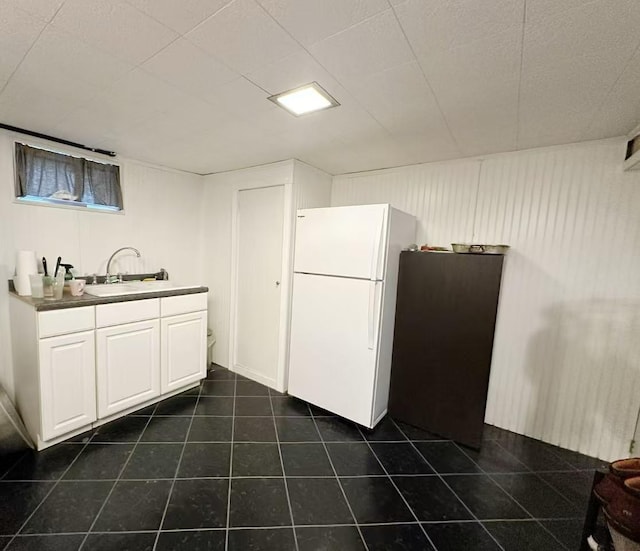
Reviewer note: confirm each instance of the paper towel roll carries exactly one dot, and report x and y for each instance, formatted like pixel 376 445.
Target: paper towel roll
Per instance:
pixel 26 265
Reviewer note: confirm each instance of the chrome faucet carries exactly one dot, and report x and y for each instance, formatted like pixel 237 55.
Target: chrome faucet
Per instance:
pixel 108 279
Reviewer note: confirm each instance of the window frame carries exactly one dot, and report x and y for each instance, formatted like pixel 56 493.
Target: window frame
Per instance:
pixel 62 203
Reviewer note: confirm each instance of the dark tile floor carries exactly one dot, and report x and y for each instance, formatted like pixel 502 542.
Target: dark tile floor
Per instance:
pixel 233 466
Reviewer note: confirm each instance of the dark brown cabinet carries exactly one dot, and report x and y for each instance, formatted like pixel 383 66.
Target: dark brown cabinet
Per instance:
pixel 445 321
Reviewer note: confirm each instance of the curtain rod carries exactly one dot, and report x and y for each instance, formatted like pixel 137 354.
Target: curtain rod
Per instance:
pixel 57 140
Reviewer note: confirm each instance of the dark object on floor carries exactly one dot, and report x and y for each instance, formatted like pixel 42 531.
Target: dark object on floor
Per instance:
pixel 617 494
pixel 445 320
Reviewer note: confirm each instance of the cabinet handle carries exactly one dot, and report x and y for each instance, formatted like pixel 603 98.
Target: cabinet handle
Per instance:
pixel 277 283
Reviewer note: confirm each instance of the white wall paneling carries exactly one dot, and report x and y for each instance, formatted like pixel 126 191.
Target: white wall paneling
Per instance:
pixel 566 356
pixel 161 219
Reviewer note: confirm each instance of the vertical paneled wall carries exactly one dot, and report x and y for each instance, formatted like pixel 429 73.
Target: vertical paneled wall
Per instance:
pixel 566 356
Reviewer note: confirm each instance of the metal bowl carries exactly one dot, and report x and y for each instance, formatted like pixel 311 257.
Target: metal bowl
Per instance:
pixel 479 249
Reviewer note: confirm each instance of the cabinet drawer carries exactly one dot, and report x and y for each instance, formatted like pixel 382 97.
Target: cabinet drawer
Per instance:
pixel 127 312
pixel 183 304
pixel 69 320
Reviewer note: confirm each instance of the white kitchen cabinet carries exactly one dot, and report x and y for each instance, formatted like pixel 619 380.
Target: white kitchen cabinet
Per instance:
pixel 79 367
pixel 183 354
pixel 128 365
pixel 67 383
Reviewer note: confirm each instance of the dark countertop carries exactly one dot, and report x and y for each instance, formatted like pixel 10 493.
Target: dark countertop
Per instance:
pixel 68 301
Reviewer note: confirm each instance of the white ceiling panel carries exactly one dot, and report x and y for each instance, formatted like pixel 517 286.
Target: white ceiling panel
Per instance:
pixel 59 50
pixel 181 16
pixel 309 21
pixel 566 92
pixel 50 81
pixel 589 30
pixel 8 64
pixel 433 25
pixel 417 80
pixel 243 98
pixel 244 36
pixel 115 27
pixel 189 68
pixel 400 100
pixel 369 47
pixel 44 9
pixel 292 71
pixel 32 109
pixel 621 106
pixel 18 29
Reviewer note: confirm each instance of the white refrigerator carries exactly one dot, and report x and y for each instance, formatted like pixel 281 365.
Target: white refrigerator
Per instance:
pixel 343 308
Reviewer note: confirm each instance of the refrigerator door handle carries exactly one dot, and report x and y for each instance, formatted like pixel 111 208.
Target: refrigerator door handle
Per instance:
pixel 371 318
pixel 375 253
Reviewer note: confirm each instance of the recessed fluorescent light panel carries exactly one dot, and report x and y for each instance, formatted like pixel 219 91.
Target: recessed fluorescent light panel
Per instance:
pixel 305 99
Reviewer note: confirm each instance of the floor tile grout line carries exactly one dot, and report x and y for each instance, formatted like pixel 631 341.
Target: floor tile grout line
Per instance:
pixel 286 486
pixel 413 513
pixel 449 487
pixel 175 477
pixel 236 477
pixel 229 487
pixel 530 472
pixel 284 527
pixel 335 472
pixel 115 482
pixel 55 485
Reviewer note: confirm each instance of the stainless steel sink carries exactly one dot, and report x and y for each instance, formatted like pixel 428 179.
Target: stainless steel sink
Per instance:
pixel 132 288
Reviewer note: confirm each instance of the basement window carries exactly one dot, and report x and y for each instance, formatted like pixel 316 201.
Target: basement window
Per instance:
pixel 53 178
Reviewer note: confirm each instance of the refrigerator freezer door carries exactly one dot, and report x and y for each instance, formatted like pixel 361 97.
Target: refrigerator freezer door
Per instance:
pixel 333 323
pixel 342 241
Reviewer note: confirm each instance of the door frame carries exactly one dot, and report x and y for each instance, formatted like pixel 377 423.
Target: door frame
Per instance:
pixel 280 382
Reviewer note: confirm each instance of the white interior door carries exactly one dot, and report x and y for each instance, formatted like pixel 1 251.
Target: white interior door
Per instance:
pixel 334 335
pixel 343 241
pixel 260 220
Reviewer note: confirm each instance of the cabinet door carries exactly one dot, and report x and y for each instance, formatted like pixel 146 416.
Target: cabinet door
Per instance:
pixel 128 362
pixel 67 383
pixel 184 350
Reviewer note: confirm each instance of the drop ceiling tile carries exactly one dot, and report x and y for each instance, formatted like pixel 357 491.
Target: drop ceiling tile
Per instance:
pixel 77 59
pixel 50 81
pixel 492 57
pixel 400 99
pixel 366 48
pixel 423 147
pixel 102 123
pixel 185 118
pixel 243 98
pixel 619 113
pixel 309 21
pixel 292 71
pixel 29 109
pixel 114 27
pixel 180 16
pixel 139 88
pixel 592 29
pixel 18 30
pixel 189 68
pixel 381 152
pixel 44 9
pixel 9 61
pixel 244 36
pixel 566 92
pixel 433 25
pixel 541 10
